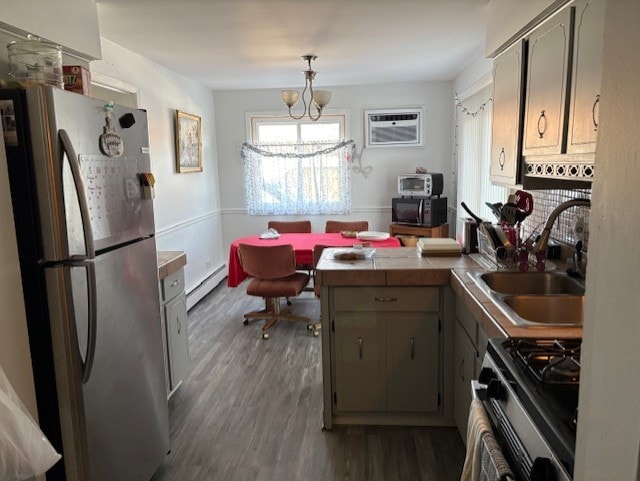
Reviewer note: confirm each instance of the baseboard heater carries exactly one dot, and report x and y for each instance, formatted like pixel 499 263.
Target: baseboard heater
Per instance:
pixel 210 282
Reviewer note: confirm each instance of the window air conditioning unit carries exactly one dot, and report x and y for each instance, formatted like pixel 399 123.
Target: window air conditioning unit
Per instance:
pixel 394 127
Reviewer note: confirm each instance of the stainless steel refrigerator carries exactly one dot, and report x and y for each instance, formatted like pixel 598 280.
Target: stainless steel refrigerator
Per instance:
pixel 83 211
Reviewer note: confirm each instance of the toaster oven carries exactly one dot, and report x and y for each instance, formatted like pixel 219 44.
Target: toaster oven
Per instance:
pixel 421 185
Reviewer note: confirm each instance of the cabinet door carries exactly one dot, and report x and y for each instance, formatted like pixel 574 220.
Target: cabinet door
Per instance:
pixel 360 362
pixel 548 72
pixel 412 362
pixel 465 356
pixel 587 72
pixel 508 77
pixel 176 318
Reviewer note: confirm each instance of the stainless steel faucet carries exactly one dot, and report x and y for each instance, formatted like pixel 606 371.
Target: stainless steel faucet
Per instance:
pixel 543 241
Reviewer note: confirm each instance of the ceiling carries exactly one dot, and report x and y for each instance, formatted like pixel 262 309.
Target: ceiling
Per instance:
pixel 247 44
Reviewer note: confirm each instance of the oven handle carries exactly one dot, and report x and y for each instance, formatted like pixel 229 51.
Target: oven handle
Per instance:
pixel 477 390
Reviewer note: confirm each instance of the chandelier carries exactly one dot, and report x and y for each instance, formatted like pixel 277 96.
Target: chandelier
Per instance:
pixel 319 98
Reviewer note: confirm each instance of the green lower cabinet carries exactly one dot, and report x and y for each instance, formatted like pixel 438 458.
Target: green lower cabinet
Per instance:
pixel 387 362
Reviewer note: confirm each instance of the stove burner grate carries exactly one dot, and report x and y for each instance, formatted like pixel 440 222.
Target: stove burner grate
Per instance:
pixel 550 361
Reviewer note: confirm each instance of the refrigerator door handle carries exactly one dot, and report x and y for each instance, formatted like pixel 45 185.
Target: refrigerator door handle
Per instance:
pixel 74 163
pixel 92 321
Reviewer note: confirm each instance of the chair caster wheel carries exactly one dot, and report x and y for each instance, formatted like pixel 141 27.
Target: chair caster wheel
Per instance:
pixel 245 322
pixel 309 327
pixel 288 302
pixel 265 335
pixel 316 333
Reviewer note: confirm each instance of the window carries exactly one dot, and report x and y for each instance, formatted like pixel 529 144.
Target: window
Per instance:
pixel 297 167
pixel 474 156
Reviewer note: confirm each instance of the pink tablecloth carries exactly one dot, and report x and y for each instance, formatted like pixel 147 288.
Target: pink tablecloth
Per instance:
pixel 302 245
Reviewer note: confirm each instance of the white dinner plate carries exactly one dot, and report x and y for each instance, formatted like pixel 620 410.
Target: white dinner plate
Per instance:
pixel 372 235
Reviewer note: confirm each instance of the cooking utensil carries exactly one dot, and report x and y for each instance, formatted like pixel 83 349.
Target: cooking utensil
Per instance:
pixel 508 213
pixel 524 202
pixel 485 226
pixel 495 208
pixel 478 220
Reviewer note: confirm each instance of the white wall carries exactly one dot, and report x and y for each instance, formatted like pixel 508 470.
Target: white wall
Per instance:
pixel 608 442
pixel 372 195
pixel 187 206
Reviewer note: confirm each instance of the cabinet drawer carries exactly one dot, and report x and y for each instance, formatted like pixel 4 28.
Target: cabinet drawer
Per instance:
pixel 386 299
pixel 172 285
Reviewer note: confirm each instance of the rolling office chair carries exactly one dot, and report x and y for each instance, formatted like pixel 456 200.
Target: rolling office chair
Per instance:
pixel 293 227
pixel 339 226
pixel 273 269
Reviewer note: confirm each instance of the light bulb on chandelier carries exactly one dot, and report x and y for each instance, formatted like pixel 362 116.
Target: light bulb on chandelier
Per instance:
pixel 319 98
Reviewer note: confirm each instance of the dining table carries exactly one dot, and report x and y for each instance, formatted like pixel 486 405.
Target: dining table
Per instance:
pixel 303 244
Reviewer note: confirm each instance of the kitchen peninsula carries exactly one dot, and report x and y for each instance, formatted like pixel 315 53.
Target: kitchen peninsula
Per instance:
pixel 389 333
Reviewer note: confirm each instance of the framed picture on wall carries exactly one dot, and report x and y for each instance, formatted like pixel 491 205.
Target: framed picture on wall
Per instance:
pixel 188 142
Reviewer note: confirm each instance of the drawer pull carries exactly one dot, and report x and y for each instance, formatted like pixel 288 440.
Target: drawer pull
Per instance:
pixel 175 283
pixel 501 159
pixel 386 299
pixel 179 324
pixel 461 370
pixel 360 347
pixel 412 344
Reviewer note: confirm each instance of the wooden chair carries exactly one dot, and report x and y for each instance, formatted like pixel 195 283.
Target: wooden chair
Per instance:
pixel 290 227
pixel 273 269
pixel 339 226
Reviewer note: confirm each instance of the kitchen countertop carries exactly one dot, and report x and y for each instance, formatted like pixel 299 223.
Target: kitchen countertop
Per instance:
pixel 169 262
pixel 405 267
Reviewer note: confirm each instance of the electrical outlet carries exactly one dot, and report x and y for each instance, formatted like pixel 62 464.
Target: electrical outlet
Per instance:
pixel 580 227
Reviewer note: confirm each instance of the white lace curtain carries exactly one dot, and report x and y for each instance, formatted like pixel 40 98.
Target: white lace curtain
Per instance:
pixel 302 178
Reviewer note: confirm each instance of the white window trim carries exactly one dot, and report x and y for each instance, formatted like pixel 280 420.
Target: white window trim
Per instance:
pixel 342 115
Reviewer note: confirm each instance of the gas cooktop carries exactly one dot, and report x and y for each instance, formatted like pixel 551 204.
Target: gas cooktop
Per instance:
pixel 544 374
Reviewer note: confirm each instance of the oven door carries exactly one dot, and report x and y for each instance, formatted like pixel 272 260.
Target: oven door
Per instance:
pixel 521 443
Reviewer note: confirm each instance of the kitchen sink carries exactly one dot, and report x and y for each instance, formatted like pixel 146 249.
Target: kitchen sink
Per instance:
pixel 538 283
pixel 548 310
pixel 532 299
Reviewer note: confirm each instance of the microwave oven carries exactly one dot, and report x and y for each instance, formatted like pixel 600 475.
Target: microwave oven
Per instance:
pixel 422 185
pixel 419 211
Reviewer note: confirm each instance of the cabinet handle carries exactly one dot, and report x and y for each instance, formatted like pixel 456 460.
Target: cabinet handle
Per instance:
pixel 360 347
pixel 386 299
pixel 501 159
pixel 596 103
pixel 412 344
pixel 179 324
pixel 175 283
pixel 542 119
pixel 461 369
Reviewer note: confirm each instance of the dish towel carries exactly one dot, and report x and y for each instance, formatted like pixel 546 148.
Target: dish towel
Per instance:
pixel 493 467
pixel 477 426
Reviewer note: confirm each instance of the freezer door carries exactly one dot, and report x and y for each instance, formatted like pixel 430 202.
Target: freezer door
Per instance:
pixel 73 170
pixel 122 415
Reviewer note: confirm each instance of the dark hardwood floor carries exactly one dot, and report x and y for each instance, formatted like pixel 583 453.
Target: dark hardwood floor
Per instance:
pixel 252 410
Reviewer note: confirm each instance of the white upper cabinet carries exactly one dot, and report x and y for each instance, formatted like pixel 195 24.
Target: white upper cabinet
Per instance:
pixel 587 73
pixel 508 86
pixel 548 75
pixel 73 24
